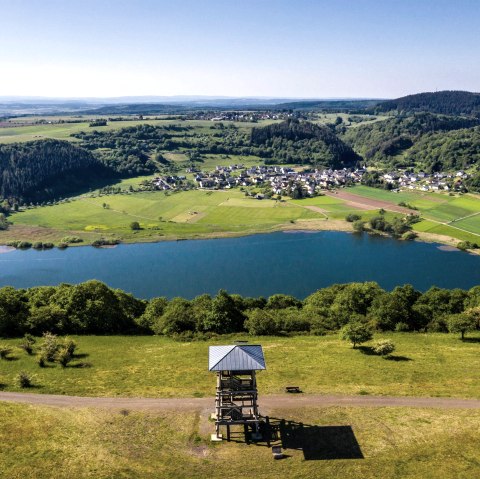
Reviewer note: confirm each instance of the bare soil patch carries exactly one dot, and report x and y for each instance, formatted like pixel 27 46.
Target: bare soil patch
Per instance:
pixel 360 202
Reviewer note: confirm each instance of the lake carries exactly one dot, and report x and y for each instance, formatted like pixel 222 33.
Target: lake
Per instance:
pixel 296 263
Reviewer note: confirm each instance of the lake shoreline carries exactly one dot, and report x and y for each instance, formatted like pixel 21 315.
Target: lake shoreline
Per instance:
pixel 298 227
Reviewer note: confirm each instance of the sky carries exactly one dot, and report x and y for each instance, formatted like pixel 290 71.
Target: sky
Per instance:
pixel 240 48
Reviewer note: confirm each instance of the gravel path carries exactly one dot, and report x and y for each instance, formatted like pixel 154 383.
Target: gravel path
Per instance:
pixel 269 402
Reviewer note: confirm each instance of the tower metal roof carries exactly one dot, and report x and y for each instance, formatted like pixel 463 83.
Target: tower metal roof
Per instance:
pixel 238 357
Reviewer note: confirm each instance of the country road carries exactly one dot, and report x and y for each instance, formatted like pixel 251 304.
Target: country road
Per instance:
pixel 269 402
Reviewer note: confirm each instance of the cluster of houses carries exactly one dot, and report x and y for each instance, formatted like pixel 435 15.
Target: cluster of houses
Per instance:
pixel 249 116
pixel 424 182
pixel 281 179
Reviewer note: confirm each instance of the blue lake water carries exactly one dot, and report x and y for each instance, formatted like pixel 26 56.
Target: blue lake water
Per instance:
pixel 259 265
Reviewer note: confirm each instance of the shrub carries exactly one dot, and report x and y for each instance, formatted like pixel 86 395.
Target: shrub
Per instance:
pixel 4 352
pixel 24 244
pixel 71 239
pixel 49 347
pixel 135 225
pixel 63 356
pixel 402 327
pixel 42 361
pixel 70 345
pixel 62 245
pixel 352 217
pixel 409 235
pixel 383 347
pixel 37 245
pixel 358 226
pixel 261 322
pixel 27 343
pixel 48 245
pixel 24 380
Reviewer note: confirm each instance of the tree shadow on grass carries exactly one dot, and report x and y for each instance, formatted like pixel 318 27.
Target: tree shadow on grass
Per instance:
pixel 316 442
pixel 80 356
pixel 397 358
pixel 81 365
pixel 11 358
pixel 367 350
pixel 2 386
pixel 470 340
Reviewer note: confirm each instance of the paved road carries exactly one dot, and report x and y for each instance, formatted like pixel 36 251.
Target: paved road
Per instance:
pixel 269 402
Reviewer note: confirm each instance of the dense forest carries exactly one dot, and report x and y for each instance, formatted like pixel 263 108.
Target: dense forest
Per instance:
pixel 382 141
pixel 302 142
pixel 453 150
pixel 43 168
pixel 445 102
pixel 94 308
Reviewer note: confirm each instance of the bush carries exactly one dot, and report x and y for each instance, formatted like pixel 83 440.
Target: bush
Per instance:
pixel 352 217
pixel 409 235
pixel 27 343
pixel 4 352
pixel 37 245
pixel 71 239
pixel 24 380
pixel 402 327
pixel 70 345
pixel 135 226
pixel 383 347
pixel 63 356
pixel 261 322
pixel 42 360
pixel 49 347
pixel 358 226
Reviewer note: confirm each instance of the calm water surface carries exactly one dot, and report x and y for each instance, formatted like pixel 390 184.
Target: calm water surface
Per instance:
pixel 260 265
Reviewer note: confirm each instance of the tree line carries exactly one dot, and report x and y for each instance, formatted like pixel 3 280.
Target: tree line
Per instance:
pixel 94 308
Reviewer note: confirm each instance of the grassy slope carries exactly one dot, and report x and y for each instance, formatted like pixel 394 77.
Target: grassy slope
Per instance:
pixel 426 365
pixel 188 213
pixel 394 442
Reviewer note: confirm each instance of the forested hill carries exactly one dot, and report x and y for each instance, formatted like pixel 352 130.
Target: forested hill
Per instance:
pixel 294 141
pixel 30 170
pixel 384 140
pixel 445 102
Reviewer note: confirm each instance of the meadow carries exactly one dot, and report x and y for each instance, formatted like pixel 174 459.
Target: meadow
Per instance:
pixel 161 216
pixel 94 443
pixel 432 364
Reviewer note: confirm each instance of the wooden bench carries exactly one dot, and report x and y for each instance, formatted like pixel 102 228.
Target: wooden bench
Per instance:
pixel 292 389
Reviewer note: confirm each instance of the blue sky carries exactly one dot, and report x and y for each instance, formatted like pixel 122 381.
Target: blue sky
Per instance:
pixel 274 48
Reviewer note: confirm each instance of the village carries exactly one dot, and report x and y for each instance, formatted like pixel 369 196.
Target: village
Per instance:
pixel 282 180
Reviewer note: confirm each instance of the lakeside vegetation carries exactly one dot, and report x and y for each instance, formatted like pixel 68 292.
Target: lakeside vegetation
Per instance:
pixel 94 308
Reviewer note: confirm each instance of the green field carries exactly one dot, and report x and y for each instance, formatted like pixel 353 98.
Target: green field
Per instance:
pixel 431 364
pixel 399 443
pixel 184 214
pixel 63 131
pixel 442 214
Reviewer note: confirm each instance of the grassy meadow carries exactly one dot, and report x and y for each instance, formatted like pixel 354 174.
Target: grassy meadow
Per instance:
pixel 93 443
pixel 432 364
pixel 184 214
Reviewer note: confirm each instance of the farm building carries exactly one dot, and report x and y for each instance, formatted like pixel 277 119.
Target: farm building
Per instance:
pixel 236 392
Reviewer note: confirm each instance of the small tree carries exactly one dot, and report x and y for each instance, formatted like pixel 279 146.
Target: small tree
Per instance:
pixel 63 356
pixel 27 343
pixel 383 347
pixel 356 332
pixel 49 347
pixel 358 226
pixel 135 226
pixel 24 379
pixel 461 323
pixel 352 217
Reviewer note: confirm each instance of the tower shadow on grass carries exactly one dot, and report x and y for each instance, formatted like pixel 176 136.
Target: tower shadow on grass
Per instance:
pixel 316 442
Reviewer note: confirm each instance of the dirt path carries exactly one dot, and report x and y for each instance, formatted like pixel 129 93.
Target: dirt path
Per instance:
pixel 361 202
pixel 266 402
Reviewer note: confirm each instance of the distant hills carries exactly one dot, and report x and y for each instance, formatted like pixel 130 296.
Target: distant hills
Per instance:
pixel 449 102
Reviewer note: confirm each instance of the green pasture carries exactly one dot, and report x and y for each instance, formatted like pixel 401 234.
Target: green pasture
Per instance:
pixel 431 364
pixel 399 442
pixel 63 131
pixel 176 214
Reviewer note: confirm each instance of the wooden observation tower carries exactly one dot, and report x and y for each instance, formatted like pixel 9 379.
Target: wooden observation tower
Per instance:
pixel 236 393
